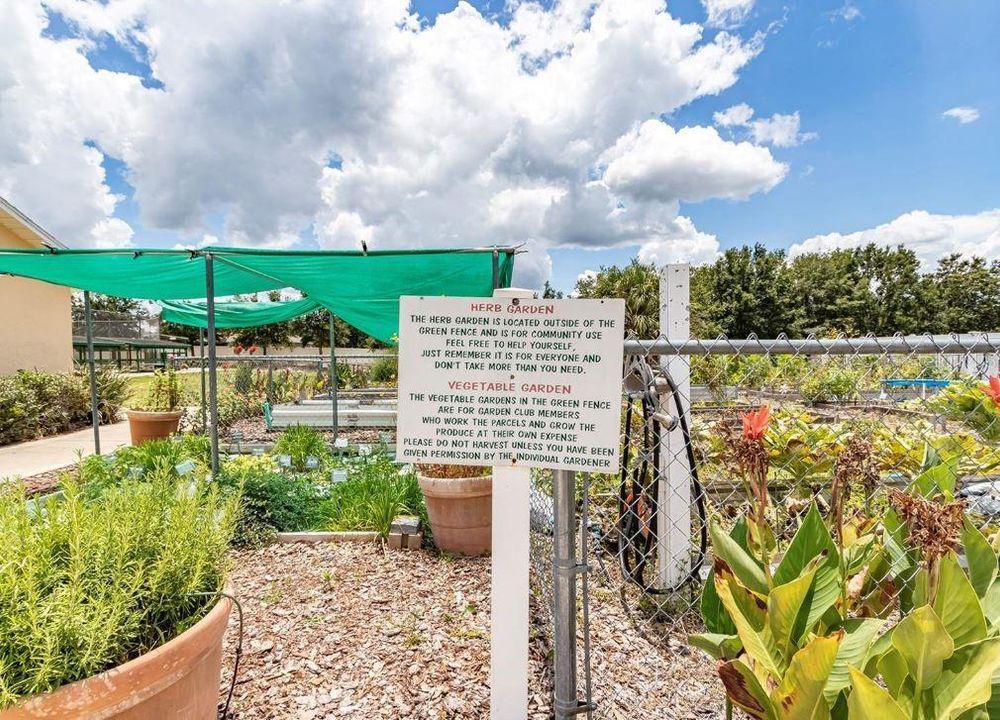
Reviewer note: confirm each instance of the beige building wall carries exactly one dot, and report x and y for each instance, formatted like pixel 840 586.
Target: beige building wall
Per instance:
pixel 36 327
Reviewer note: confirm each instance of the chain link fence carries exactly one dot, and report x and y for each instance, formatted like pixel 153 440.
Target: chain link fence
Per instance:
pixel 891 405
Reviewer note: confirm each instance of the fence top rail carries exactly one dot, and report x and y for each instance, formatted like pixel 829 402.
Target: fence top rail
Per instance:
pixel 896 345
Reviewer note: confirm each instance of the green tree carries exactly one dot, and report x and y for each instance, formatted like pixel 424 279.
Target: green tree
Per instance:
pixel 751 290
pixel 550 293
pixel 967 295
pixel 897 299
pixel 829 291
pixel 639 284
pixel 108 303
pixel 263 336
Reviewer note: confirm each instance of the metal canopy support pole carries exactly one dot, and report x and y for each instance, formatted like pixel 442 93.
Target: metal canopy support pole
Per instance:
pixel 674 501
pixel 95 413
pixel 496 269
pixel 204 409
pixel 333 373
pixel 564 569
pixel 213 406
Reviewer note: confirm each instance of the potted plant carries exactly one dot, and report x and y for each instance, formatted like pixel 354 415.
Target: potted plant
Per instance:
pixel 459 506
pixel 160 415
pixel 116 605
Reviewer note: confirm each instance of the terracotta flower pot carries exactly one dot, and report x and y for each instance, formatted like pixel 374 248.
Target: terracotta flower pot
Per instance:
pixel 146 425
pixel 177 681
pixel 460 512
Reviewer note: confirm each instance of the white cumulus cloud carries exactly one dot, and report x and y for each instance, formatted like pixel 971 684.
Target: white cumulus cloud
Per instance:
pixel 963 113
pixel 52 106
pixel 681 242
pixel 727 13
pixel 694 163
pixel 929 235
pixel 778 130
pixel 461 132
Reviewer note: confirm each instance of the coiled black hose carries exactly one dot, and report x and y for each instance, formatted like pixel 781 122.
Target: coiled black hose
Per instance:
pixel 633 555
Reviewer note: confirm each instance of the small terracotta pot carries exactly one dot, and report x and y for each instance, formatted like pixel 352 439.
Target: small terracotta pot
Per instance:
pixel 460 512
pixel 145 425
pixel 177 681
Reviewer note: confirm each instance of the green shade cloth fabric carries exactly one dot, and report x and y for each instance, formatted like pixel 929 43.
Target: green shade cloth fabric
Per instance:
pixel 230 315
pixel 361 288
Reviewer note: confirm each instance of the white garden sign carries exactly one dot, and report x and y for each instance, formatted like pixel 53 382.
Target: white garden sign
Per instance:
pixel 513 382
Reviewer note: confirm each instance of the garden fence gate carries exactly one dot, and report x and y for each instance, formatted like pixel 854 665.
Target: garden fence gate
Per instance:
pixel 635 543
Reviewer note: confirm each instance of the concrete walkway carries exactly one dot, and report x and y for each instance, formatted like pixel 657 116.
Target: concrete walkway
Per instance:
pixel 39 456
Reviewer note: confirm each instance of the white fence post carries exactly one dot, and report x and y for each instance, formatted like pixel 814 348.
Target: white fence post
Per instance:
pixel 509 584
pixel 674 496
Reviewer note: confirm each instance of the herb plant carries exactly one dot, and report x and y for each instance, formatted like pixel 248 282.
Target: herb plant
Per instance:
pixel 86 585
pixel 301 442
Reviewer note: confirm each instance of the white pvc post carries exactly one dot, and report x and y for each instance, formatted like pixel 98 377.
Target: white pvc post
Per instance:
pixel 674 497
pixel 509 583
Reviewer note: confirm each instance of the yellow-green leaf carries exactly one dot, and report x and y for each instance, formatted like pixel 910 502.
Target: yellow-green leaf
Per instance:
pixel 924 644
pixel 957 603
pixel 741 563
pixel 799 696
pixel 784 604
pixel 868 701
pixel 719 646
pixel 981 558
pixel 756 637
pixel 745 691
pixel 859 634
pixel 966 679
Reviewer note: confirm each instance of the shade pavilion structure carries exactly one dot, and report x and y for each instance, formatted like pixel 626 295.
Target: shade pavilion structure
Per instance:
pixel 361 287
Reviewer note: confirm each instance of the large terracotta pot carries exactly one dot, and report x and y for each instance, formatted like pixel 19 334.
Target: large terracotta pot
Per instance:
pixel 146 425
pixel 177 681
pixel 461 512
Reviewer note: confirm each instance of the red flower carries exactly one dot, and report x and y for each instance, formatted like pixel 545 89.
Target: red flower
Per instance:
pixel 253 349
pixel 993 389
pixel 755 422
pixel 237 349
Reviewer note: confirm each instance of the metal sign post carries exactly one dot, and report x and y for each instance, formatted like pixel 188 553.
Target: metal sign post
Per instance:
pixel 213 385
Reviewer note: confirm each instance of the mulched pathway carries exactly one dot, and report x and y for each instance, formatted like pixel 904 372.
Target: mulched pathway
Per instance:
pixel 353 630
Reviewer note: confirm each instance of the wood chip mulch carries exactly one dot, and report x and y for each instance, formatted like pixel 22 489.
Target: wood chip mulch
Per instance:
pixel 46 482
pixel 255 430
pixel 354 630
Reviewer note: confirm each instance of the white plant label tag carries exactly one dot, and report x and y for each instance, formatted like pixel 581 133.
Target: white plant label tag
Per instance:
pixel 510 381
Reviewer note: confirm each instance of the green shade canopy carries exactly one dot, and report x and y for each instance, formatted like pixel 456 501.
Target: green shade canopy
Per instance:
pixel 361 288
pixel 230 315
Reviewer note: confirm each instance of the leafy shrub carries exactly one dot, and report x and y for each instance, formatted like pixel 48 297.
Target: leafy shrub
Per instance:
pixel 35 404
pixel 165 393
pixel 385 370
pixel 830 382
pixel 243 378
pixel 806 636
pixel 300 442
pixel 87 585
pixel 113 391
pixel 155 458
pixel 375 492
pixel 966 402
pixel 350 377
pixel 271 501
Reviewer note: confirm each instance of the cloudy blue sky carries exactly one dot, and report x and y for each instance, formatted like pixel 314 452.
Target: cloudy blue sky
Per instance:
pixel 590 130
